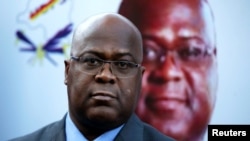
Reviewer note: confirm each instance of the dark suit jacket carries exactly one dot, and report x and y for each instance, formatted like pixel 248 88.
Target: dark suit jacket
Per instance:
pixel 133 130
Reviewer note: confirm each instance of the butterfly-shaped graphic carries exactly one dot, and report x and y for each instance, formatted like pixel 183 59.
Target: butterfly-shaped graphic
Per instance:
pixel 51 46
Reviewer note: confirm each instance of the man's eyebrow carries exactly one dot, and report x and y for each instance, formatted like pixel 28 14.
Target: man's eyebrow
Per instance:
pixel 150 37
pixel 197 38
pixel 90 52
pixel 119 54
pixel 114 55
pixel 158 39
pixel 125 54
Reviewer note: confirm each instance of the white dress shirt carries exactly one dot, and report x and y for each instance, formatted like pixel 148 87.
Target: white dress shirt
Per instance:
pixel 73 134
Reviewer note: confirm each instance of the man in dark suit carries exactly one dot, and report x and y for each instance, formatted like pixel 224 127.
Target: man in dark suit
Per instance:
pixel 103 78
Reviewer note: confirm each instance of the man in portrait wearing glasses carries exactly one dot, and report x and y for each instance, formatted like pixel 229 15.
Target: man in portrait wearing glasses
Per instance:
pixel 180 81
pixel 103 79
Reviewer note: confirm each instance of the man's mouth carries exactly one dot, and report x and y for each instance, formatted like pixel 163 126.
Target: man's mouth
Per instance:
pixel 165 103
pixel 103 95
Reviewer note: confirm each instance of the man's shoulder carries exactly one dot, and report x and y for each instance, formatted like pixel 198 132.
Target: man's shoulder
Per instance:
pixel 54 131
pixel 150 132
pixel 135 129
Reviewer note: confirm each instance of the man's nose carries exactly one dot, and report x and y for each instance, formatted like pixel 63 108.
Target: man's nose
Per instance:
pixel 105 75
pixel 171 69
pixel 168 69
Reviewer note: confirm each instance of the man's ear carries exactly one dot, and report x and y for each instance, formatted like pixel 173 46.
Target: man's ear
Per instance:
pixel 66 72
pixel 215 51
pixel 142 69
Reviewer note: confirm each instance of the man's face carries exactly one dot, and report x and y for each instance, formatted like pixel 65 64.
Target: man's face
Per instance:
pixel 103 100
pixel 179 83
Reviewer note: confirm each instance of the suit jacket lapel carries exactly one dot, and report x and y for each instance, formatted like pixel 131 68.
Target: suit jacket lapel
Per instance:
pixel 57 132
pixel 132 130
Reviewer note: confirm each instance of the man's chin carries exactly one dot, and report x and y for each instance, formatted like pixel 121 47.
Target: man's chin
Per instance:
pixel 168 123
pixel 173 128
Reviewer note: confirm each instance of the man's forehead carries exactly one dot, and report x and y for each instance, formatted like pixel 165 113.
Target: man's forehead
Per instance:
pixel 159 8
pixel 108 53
pixel 103 41
pixel 182 11
pixel 109 40
pixel 101 28
pixel 111 22
pixel 183 18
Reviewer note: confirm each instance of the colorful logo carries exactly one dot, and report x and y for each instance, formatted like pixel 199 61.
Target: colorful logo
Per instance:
pixel 44 29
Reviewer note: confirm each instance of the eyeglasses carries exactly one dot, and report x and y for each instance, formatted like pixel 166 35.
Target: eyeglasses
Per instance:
pixel 187 56
pixel 92 66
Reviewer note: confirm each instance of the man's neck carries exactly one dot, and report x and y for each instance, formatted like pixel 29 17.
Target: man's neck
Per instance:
pixel 90 130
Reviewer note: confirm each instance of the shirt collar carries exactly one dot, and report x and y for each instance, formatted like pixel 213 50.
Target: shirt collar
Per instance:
pixel 73 134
